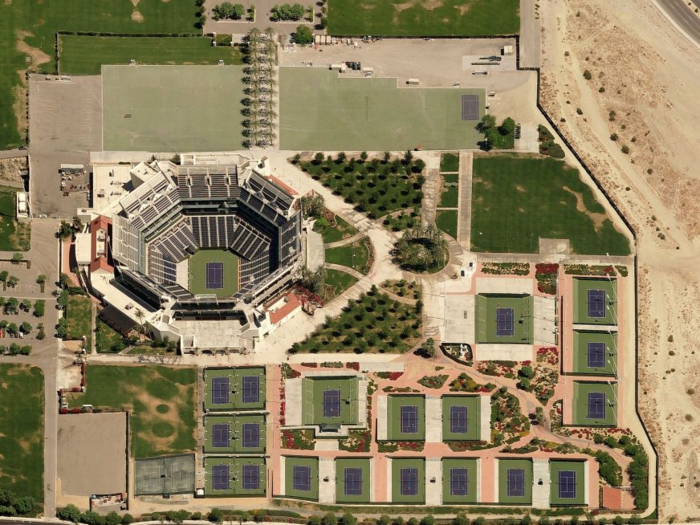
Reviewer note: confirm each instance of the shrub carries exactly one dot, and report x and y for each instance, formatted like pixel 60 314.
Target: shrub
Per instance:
pixel 613 136
pixel 625 149
pixel 329 519
pixel 128 519
pixel 587 75
pixel 428 520
pixel 215 515
pixel 69 513
pixel 384 520
pixel 315 519
pixel 303 35
pixel 349 519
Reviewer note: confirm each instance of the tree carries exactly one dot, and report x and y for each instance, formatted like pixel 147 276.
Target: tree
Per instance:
pixel 69 513
pixel 349 519
pixel 26 304
pixel 507 126
pixel 26 327
pixel 65 230
pixel 303 36
pixel 384 520
pixel 12 281
pixel 329 519
pixel 11 305
pixel 4 275
pixel 12 328
pixel 113 518
pixel 487 122
pixel 315 519
pixel 428 520
pixel 39 308
pixel 427 349
pixel 216 516
pixel 17 258
pixel 128 519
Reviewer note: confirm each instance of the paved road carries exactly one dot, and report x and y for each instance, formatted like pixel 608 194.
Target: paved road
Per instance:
pixel 683 16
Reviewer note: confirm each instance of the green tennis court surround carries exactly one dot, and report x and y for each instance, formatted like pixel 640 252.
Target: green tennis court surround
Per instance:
pixel 595 404
pixel 505 319
pixel 406 418
pixel 353 480
pixel 588 347
pixel 515 481
pixel 568 483
pixel 214 272
pixel 454 471
pixel 595 301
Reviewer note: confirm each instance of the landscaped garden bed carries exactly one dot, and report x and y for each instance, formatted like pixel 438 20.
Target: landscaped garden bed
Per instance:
pixel 376 187
pixel 546 275
pixel 421 251
pixel 434 382
pixel 403 288
pixel 588 269
pixel 394 446
pixel 374 323
pixel 508 423
pixel 464 383
pixel 506 268
pixel 298 439
pixel 357 441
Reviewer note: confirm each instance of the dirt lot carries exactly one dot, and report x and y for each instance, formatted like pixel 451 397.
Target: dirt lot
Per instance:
pixel 65 125
pixel 10 170
pixel 649 75
pixel 92 454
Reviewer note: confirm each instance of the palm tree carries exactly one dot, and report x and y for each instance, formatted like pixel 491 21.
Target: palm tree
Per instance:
pixel 140 316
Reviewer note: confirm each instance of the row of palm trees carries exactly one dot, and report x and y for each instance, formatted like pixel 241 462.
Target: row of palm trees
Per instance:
pixel 260 81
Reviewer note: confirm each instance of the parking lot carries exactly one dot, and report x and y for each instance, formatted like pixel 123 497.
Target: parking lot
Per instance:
pixel 65 126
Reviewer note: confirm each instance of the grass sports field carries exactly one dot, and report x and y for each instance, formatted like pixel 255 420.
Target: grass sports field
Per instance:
pixel 518 199
pixel 320 111
pixel 172 108
pixel 446 220
pixel 22 435
pixel 435 18
pixel 38 21
pixel 14 235
pixel 214 272
pixel 161 401
pixel 85 55
pixel 504 319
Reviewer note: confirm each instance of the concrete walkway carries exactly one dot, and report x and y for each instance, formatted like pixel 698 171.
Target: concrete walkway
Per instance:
pixel 464 221
pixel 431 189
pixel 346 241
pixel 345 269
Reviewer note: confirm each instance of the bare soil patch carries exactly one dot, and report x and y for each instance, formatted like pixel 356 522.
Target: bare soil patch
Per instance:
pixel 597 218
pixel 136 16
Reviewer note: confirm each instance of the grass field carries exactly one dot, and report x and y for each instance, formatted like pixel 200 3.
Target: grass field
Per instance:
pixel 376 324
pixel 442 18
pixel 198 272
pixel 446 220
pixel 320 111
pixel 517 200
pixel 78 316
pixel 14 235
pixel 449 162
pixel 85 55
pixel 22 434
pixel 487 318
pixel 339 281
pixel 39 20
pixel 161 400
pixel 450 191
pixel 172 108
pixel 107 339
pixel 355 255
pixel 341 230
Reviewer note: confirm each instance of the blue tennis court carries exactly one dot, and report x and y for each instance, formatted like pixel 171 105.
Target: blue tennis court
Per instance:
pixel 458 420
pixel 251 389
pixel 251 435
pixel 220 477
pixel 352 481
pixel 220 437
pixel 409 419
pixel 505 325
pixel 458 481
pixel 251 477
pixel 596 405
pixel 215 275
pixel 331 403
pixel 516 482
pixel 409 481
pixel 567 484
pixel 596 303
pixel 301 478
pixel 596 355
pixel 220 390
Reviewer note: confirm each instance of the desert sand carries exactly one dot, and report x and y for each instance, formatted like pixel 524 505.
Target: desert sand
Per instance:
pixel 649 75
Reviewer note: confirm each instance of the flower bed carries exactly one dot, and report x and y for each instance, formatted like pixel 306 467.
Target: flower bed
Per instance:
pixel 585 269
pixel 357 441
pixel 402 389
pixel 465 383
pixel 546 275
pixel 463 446
pixel 393 376
pixel 332 364
pixel 506 268
pixel 310 365
pixel 298 439
pixel 507 369
pixel 508 423
pixel 546 374
pixel 288 372
pixel 393 446
pixel 433 381
pixel 460 353
pixel 353 366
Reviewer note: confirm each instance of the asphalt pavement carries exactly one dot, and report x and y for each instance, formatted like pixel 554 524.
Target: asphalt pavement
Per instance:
pixel 683 16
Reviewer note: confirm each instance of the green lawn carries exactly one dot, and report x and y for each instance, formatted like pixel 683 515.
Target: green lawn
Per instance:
pixel 376 324
pixel 446 220
pixel 172 108
pixel 518 199
pixel 450 191
pixel 441 18
pixel 355 255
pixel 333 233
pixel 321 111
pixel 78 316
pixel 14 235
pixel 449 162
pixel 41 19
pixel 339 281
pixel 85 55
pixel 161 399
pixel 22 434
pixel 107 339
pixel 375 187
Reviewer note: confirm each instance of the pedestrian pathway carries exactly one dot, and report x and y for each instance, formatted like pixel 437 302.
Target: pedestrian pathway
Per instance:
pixel 346 241
pixel 464 223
